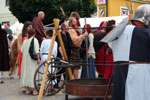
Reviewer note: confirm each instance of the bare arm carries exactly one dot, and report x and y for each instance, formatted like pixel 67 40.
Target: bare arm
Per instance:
pixel 77 40
pixel 38 58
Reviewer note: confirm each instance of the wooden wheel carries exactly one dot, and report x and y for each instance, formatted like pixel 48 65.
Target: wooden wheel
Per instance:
pixel 54 82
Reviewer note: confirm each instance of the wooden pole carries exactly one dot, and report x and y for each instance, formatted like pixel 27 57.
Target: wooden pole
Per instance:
pixel 86 50
pixel 56 23
pixel 130 11
pixel 108 87
pixel 62 10
pixel 62 45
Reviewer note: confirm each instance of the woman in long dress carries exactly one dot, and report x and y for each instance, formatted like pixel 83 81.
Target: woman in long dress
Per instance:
pixel 29 65
pixel 91 56
pixel 21 38
pixel 105 55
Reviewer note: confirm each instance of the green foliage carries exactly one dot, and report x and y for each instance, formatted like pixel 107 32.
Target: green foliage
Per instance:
pixel 27 9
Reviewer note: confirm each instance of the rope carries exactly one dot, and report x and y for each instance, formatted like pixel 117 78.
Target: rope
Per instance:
pixel 80 27
pixel 57 62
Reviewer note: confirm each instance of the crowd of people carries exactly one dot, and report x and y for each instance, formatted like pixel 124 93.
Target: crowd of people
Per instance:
pixel 82 46
pixel 34 37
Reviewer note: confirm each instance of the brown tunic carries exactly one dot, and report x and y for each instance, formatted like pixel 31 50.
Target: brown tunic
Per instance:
pixel 39 28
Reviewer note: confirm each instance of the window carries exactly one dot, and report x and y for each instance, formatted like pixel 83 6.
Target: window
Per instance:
pixel 7 2
pixel 100 2
pixel 6 22
pixel 124 11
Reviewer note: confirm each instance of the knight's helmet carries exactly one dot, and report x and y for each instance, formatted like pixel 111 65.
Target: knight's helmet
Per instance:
pixel 142 14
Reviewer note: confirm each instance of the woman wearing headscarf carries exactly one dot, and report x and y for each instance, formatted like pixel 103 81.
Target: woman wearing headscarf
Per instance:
pixel 108 52
pixel 100 50
pixel 105 56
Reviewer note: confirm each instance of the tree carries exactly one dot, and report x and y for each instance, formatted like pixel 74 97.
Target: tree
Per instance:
pixel 27 9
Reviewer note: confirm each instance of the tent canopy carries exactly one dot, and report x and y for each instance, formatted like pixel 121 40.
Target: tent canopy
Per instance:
pixel 16 28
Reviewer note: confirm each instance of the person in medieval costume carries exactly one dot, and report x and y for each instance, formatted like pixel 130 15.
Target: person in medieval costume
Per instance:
pixel 104 57
pixel 131 81
pixel 45 46
pixel 77 39
pixel 21 38
pixel 29 65
pixel 16 55
pixel 89 55
pixel 39 27
pixel 4 53
pixel 68 45
pixel 77 16
pixel 7 28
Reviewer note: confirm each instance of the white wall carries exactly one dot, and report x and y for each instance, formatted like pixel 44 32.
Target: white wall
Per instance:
pixel 5 14
pixel 3 8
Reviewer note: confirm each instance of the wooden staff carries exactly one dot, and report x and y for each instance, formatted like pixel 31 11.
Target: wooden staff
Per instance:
pixel 62 10
pixel 64 53
pixel 86 50
pixel 130 11
pixel 108 87
pixel 62 45
pixel 131 6
pixel 56 23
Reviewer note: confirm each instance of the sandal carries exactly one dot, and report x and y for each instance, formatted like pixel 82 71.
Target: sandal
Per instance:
pixel 35 93
pixel 1 82
pixel 27 92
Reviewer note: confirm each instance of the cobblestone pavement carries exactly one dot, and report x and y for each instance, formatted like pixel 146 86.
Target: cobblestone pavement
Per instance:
pixel 11 90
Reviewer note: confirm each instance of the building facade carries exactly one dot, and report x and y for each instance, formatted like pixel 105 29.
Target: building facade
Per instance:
pixel 5 14
pixel 108 8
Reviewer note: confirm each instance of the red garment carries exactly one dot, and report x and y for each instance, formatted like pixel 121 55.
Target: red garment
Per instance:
pixel 104 55
pixel 78 23
pixel 20 58
pixel 99 58
pixel 108 69
pixel 101 25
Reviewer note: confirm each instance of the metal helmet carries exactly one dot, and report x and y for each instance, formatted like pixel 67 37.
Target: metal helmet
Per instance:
pixel 142 14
